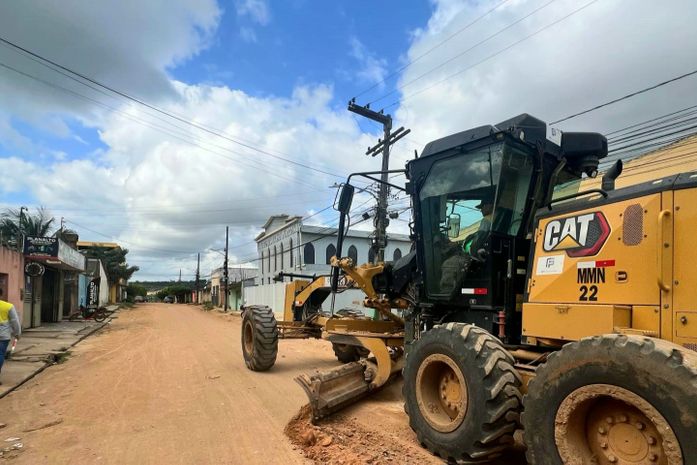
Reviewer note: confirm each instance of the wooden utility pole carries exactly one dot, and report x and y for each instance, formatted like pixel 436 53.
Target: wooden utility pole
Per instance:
pixel 198 276
pixel 389 138
pixel 225 273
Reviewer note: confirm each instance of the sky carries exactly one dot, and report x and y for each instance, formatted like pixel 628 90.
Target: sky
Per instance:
pixel 246 115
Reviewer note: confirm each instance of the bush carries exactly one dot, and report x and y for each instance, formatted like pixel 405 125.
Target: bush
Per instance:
pixel 207 306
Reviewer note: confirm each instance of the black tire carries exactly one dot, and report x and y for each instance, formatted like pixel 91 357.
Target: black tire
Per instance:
pixel 100 315
pixel 492 409
pixel 346 353
pixel 629 373
pixel 259 338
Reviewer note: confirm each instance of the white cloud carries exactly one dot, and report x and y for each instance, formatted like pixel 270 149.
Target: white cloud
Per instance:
pixel 248 35
pixel 257 10
pixel 371 69
pixel 604 51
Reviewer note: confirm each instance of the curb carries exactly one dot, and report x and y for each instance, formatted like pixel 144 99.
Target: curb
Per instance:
pixel 51 363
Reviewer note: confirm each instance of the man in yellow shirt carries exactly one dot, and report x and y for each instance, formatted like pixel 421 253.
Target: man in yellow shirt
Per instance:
pixel 9 327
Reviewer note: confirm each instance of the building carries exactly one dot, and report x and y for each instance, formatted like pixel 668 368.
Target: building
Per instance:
pixel 288 245
pixel 239 278
pixel 12 277
pixel 116 287
pixel 51 286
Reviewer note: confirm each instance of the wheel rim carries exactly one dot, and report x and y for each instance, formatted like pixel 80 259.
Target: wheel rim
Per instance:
pixel 441 393
pixel 248 337
pixel 609 425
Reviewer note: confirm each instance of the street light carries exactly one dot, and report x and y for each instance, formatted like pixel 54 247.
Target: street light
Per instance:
pixel 20 233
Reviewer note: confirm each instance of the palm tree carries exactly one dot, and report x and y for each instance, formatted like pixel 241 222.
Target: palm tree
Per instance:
pixel 16 223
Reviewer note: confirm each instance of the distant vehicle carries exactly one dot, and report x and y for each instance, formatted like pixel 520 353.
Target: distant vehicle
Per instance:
pixel 139 299
pixel 168 300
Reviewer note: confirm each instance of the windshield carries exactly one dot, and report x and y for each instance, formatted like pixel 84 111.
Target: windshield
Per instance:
pixel 463 200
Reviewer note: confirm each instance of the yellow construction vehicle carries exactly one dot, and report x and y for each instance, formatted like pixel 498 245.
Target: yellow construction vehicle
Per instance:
pixel 573 316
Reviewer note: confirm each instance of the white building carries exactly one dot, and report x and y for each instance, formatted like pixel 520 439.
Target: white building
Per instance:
pixel 288 245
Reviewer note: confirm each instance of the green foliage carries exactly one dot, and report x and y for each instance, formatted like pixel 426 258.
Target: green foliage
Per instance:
pixel 134 289
pixel 179 290
pixel 207 305
pixel 114 260
pixel 13 225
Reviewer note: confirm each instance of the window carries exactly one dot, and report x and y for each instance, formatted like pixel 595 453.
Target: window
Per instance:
pixel 281 256
pixel 397 254
pixel 262 262
pixel 353 254
pixel 275 259
pixel 309 254
pixel 331 251
pixel 291 253
pixel 371 255
pixel 268 260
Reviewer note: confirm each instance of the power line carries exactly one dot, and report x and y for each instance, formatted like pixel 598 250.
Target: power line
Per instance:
pixel 495 54
pixel 141 102
pixel 625 97
pixel 183 137
pixel 450 60
pixel 439 44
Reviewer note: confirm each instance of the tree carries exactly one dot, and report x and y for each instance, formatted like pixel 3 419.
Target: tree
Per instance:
pixel 114 260
pixel 136 289
pixel 17 223
pixel 179 290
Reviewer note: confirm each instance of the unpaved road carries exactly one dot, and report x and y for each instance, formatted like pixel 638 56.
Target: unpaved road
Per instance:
pixel 166 384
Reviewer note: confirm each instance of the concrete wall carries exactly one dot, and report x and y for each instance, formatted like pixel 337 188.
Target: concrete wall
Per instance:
pixel 273 295
pixel 12 265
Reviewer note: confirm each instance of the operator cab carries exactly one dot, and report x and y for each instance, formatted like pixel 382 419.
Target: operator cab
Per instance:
pixel 475 194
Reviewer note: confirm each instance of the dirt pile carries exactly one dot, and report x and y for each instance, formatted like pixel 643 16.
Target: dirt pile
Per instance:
pixel 340 440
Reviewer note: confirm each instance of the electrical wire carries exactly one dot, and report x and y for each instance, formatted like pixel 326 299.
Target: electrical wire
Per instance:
pixel 46 62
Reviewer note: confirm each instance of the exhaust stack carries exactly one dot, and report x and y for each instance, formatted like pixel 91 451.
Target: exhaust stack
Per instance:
pixel 609 177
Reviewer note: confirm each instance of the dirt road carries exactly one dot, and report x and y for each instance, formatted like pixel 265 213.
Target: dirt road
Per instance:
pixel 166 384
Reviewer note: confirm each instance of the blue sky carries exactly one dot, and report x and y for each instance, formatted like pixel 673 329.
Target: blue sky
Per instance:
pixel 300 42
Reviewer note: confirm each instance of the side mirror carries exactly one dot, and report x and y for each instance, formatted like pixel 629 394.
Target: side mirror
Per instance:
pixel 453 225
pixel 345 199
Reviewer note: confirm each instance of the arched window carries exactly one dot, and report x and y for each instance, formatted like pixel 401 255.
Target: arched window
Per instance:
pixel 291 252
pixel 275 258
pixel 353 254
pixel 331 251
pixel 397 254
pixel 281 256
pixel 309 254
pixel 371 255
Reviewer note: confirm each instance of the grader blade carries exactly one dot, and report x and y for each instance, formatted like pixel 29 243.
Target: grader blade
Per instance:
pixel 333 390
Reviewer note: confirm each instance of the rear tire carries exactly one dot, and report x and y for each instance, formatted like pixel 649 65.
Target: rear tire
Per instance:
pixel 620 399
pixel 462 393
pixel 259 338
pixel 346 353
pixel 100 315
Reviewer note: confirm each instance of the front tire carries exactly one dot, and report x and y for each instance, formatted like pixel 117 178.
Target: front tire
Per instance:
pixel 462 393
pixel 613 399
pixel 259 338
pixel 100 315
pixel 346 353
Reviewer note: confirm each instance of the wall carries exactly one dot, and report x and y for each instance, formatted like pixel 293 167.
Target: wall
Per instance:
pixel 12 265
pixel 273 295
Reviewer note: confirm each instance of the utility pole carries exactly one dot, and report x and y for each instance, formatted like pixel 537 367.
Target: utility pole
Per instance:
pixel 389 138
pixel 198 275
pixel 225 274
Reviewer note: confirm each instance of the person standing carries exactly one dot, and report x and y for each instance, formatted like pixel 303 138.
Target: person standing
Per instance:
pixel 9 327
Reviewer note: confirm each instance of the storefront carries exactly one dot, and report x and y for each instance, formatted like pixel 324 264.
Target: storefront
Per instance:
pixel 51 281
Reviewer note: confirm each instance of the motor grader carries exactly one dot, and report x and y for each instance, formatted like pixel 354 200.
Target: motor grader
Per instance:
pixel 571 314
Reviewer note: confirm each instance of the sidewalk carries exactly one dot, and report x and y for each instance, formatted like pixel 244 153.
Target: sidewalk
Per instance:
pixel 38 348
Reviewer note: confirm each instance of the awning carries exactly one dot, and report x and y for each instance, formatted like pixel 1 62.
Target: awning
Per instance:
pixel 53 252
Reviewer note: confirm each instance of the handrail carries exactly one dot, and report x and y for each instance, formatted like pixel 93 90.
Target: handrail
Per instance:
pixel 661 245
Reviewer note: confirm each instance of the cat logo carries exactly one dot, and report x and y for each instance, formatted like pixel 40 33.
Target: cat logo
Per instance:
pixel 580 235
